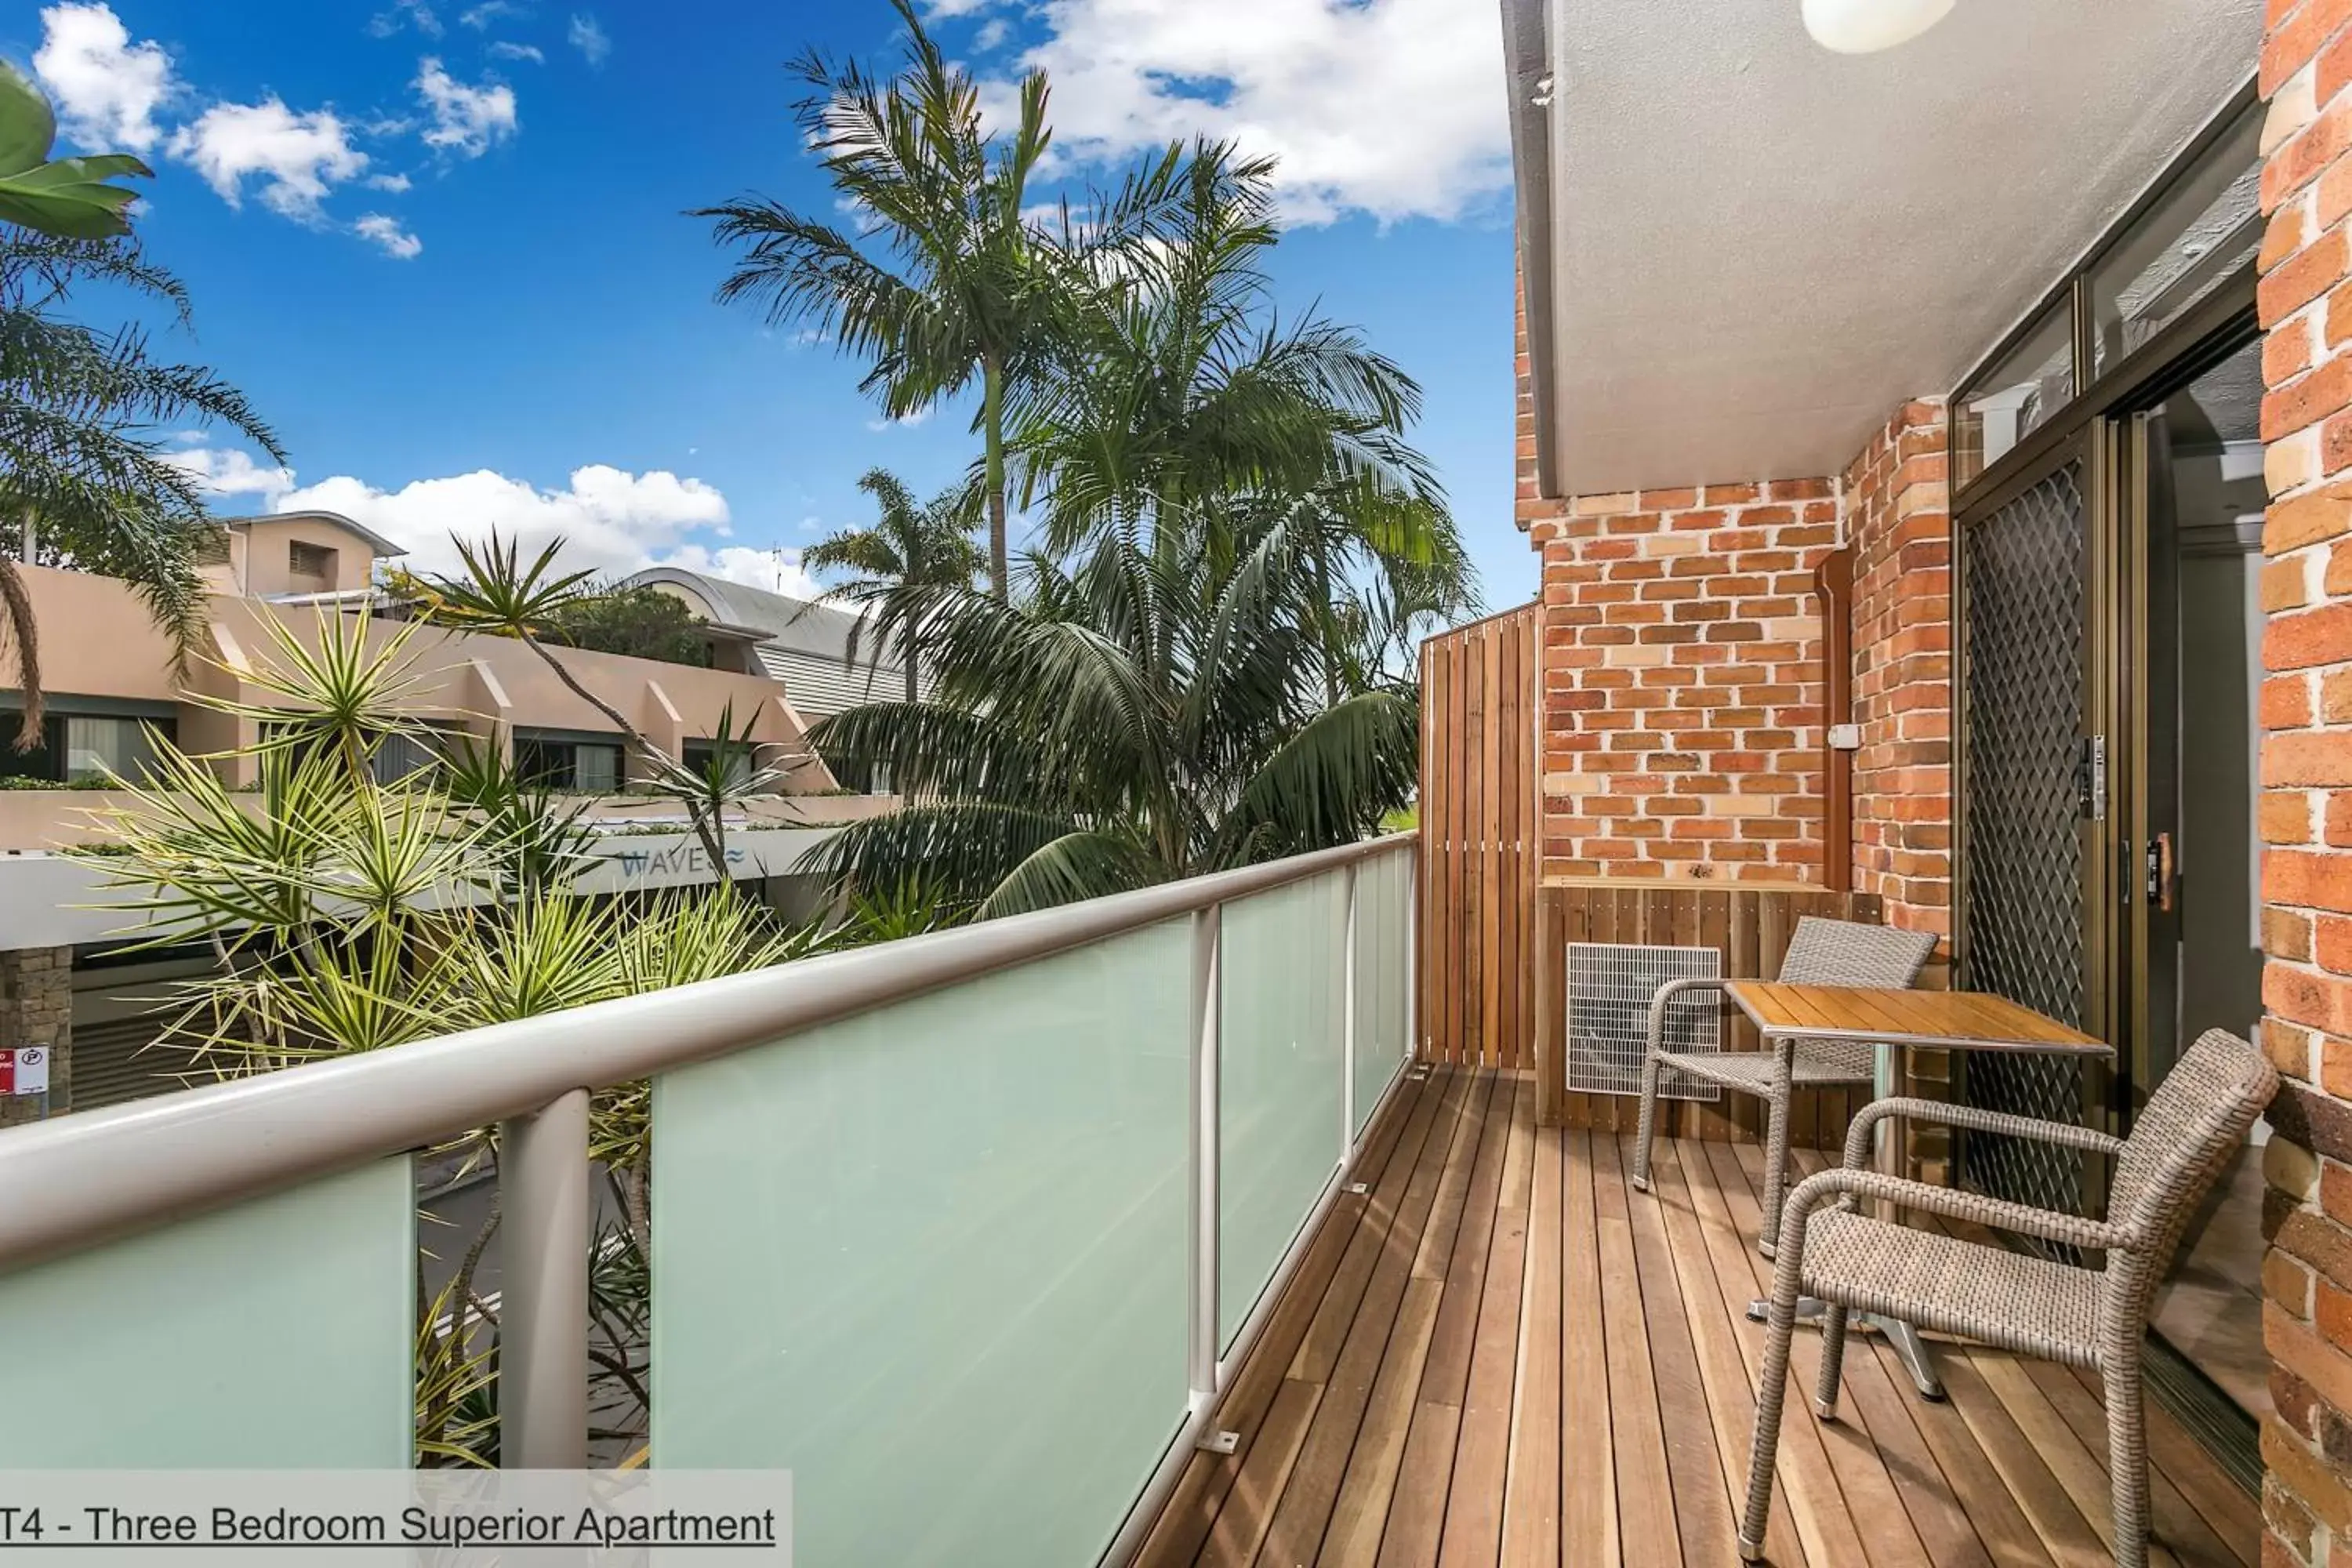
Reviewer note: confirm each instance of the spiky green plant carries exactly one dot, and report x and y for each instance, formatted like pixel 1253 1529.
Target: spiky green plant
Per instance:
pixel 353 912
pixel 500 593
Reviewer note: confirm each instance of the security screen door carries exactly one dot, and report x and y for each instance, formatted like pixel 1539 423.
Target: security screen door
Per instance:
pixel 2032 790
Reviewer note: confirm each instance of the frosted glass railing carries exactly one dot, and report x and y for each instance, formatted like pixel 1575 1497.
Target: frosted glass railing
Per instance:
pixel 973 1265
pixel 932 1260
pixel 1282 1088
pixel 968 1231
pixel 275 1334
pixel 1385 962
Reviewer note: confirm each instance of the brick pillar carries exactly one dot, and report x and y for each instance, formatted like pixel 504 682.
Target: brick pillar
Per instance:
pixel 2306 803
pixel 37 1009
pixel 1898 521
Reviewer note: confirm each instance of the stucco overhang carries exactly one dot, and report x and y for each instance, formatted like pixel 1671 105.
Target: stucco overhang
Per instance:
pixel 1742 251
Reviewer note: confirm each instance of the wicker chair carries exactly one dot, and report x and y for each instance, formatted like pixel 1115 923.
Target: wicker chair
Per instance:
pixel 2096 1318
pixel 1823 952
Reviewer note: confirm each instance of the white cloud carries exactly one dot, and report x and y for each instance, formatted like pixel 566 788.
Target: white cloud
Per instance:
pixel 504 50
pixel 392 183
pixel 489 11
pixel 397 242
pixel 406 12
pixel 611 520
pixel 907 422
pixel 992 32
pixel 298 157
pixel 107 89
pixel 587 35
pixel 1392 107
pixel 232 472
pixel 777 571
pixel 465 120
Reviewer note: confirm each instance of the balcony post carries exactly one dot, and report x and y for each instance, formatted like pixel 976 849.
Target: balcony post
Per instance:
pixel 543 1307
pixel 1201 1345
pixel 1412 957
pixel 1348 1024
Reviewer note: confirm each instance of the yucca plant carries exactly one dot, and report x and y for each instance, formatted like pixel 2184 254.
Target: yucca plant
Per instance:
pixel 354 913
pixel 501 593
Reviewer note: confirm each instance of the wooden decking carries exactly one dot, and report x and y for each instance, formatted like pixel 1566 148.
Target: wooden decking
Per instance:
pixel 1505 1355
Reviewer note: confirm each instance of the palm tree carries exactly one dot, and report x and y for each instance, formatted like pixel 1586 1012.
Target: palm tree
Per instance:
pixel 948 278
pixel 1172 380
pixel 1152 712
pixel 913 546
pixel 1176 403
pixel 85 476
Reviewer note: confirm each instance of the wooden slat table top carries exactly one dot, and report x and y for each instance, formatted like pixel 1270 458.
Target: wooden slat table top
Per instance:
pixel 1958 1020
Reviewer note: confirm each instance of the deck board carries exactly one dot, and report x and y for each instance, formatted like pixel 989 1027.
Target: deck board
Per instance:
pixel 1505 1354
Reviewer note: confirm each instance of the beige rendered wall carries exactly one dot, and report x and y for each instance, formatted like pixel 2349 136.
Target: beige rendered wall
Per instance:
pixel 266 556
pixel 97 640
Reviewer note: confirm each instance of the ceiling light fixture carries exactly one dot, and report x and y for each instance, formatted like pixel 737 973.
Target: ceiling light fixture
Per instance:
pixel 1866 26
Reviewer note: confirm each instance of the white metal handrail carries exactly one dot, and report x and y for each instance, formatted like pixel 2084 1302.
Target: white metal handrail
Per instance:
pixel 104 1173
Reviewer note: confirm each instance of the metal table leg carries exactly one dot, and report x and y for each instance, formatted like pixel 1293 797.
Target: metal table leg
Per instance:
pixel 1904 1338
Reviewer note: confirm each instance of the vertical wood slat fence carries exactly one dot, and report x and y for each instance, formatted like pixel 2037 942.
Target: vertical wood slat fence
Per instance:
pixel 1480 685
pixel 1750 926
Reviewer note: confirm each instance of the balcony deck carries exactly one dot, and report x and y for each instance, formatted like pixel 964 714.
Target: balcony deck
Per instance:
pixel 1505 1354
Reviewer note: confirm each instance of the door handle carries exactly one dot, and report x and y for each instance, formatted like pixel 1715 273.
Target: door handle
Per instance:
pixel 2159 871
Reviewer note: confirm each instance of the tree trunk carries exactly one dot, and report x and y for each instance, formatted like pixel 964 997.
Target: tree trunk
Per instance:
pixel 16 611
pixel 913 692
pixel 1323 614
pixel 992 416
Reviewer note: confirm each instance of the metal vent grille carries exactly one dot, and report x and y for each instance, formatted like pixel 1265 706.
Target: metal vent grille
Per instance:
pixel 2022 912
pixel 1610 985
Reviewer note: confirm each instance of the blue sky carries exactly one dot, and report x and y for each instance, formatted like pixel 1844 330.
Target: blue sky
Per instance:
pixel 441 244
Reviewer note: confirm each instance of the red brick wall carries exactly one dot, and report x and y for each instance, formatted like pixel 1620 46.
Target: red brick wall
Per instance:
pixel 2306 806
pixel 1898 507
pixel 1682 694
pixel 1683 675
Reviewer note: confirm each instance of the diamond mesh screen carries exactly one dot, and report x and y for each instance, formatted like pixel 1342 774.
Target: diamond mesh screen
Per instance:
pixel 2022 911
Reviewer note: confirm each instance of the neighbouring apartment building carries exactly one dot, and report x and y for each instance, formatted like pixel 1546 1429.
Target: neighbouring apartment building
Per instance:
pixel 1941 463
pixel 71 982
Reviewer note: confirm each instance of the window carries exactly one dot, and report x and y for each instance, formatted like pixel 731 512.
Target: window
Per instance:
pixel 85 748
pixel 2204 228
pixel 700 755
pixel 2010 401
pixel 596 768
pixel 96 748
pixel 42 760
pixel 397 757
pixel 315 561
pixel 569 765
pixel 2177 259
pixel 545 764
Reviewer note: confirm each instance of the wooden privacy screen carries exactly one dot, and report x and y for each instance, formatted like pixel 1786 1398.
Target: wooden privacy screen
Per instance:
pixel 1750 926
pixel 1478 841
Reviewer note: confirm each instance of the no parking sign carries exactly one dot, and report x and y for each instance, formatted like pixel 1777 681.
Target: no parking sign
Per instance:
pixel 24 1071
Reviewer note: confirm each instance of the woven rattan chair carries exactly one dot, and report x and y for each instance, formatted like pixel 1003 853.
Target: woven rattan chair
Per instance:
pixel 2193 1125
pixel 1823 952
